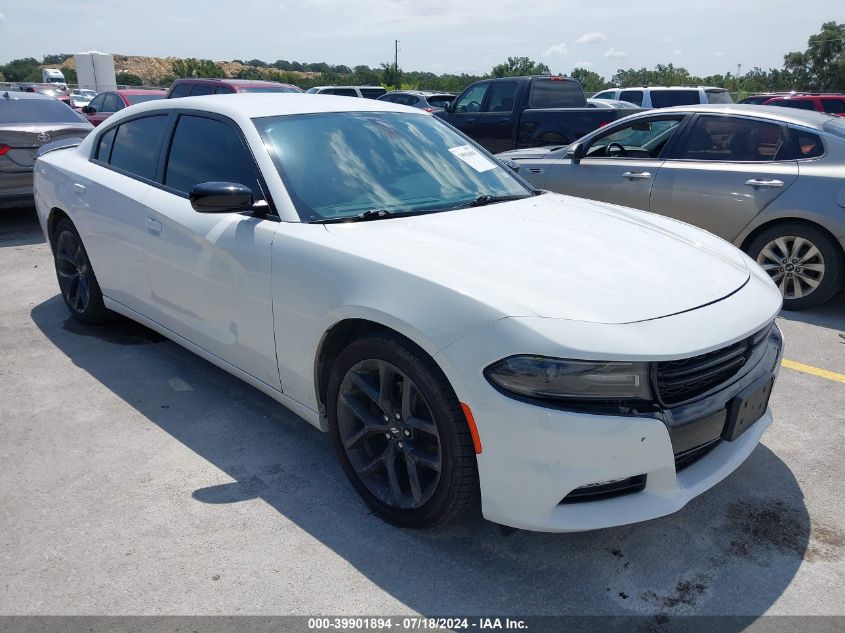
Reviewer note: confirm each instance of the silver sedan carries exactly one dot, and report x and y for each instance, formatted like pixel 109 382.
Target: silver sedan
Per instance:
pixel 770 181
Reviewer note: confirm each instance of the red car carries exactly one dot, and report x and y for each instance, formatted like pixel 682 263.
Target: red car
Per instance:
pixel 107 103
pixel 196 87
pixel 829 103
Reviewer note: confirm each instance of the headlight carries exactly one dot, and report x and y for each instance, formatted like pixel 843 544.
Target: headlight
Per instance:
pixel 559 379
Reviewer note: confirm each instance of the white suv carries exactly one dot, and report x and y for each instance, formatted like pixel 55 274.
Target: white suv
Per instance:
pixel 366 92
pixel 664 97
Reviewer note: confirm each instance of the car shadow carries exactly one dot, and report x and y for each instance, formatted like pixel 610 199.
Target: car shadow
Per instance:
pixel 19 227
pixel 731 551
pixel 830 315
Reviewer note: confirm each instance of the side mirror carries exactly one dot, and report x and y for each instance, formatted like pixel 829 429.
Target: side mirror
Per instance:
pixel 220 197
pixel 510 164
pixel 575 152
pixel 89 110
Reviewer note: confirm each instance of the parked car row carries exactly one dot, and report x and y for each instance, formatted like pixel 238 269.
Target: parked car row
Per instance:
pixel 460 334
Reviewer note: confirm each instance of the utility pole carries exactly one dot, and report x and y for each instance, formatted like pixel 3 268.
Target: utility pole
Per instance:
pixel 396 84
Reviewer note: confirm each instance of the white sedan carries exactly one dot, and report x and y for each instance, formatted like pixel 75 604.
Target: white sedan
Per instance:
pixel 575 364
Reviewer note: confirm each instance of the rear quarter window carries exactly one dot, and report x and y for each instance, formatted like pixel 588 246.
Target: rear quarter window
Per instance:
pixel 669 98
pixel 718 96
pixel 372 93
pixel 806 144
pixel 556 93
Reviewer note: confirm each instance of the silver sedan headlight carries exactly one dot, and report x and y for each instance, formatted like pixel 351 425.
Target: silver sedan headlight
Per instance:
pixel 560 379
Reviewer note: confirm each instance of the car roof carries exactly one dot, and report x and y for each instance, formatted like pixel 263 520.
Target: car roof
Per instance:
pixel 381 87
pixel 806 97
pixel 243 83
pixel 139 91
pixel 15 94
pixel 254 105
pixel 784 115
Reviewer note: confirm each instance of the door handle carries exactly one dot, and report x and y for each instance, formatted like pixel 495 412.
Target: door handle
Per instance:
pixel 470 121
pixel 78 189
pixel 535 170
pixel 757 182
pixel 153 226
pixel 637 175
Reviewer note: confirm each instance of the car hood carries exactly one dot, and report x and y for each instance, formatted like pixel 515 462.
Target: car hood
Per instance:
pixel 556 256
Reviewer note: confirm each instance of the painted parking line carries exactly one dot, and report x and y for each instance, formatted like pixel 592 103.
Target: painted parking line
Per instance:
pixel 815 371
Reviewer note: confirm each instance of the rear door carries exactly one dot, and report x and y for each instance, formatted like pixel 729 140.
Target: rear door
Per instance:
pixel 209 274
pixel 620 164
pixel 494 124
pixel 723 172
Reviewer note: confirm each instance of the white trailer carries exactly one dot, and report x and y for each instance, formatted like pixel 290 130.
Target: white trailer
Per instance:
pixel 53 76
pixel 95 71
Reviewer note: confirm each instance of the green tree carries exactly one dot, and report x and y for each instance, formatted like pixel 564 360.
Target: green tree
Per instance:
pixel 55 60
pixel 591 81
pixel 193 67
pixel 25 69
pixel 822 65
pixel 519 66
pixel 128 79
pixel 391 75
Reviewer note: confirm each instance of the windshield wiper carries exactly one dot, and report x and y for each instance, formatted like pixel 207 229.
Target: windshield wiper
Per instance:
pixel 366 216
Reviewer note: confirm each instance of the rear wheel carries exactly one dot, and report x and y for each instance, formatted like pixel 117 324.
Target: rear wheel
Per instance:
pixel 399 432
pixel 804 262
pixel 78 284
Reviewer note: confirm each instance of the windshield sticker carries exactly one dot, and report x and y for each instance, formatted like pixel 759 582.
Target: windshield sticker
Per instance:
pixel 473 158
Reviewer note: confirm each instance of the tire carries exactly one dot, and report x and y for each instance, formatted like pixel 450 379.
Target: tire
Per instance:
pixel 395 400
pixel 809 273
pixel 80 290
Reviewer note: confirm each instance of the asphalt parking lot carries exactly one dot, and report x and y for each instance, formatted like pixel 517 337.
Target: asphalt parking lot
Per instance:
pixel 140 479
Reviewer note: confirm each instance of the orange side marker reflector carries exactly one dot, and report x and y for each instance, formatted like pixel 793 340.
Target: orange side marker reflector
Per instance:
pixel 473 430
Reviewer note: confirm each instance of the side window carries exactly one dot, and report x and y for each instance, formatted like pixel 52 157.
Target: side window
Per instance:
pixel 342 92
pixel 632 96
pixel 806 144
pixel 723 138
pixel 104 148
pixel 502 96
pixel 607 94
pixel 206 150
pixel 97 102
pixel 181 90
pixel 137 144
pixel 798 104
pixel 833 106
pixel 472 99
pixel 642 139
pixel 223 90
pixel 112 103
pixel 201 89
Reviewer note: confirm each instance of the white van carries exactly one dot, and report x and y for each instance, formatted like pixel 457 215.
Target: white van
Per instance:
pixel 366 92
pixel 664 97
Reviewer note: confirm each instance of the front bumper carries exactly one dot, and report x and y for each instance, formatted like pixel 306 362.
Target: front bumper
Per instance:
pixel 533 456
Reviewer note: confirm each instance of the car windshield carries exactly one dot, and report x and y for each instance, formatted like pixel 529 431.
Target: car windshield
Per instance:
pixel 133 99
pixel 836 127
pixel 342 164
pixel 270 89
pixel 37 111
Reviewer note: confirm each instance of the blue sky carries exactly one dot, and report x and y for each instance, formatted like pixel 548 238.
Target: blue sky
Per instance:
pixel 705 36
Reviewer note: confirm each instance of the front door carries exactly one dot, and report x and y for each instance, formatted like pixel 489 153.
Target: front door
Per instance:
pixel 464 115
pixel 619 165
pixel 724 172
pixel 209 274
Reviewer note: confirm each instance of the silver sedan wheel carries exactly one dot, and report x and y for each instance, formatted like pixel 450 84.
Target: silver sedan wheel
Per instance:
pixel 794 263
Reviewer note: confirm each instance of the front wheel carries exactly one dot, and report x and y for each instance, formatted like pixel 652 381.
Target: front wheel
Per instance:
pixel 399 432
pixel 804 262
pixel 80 290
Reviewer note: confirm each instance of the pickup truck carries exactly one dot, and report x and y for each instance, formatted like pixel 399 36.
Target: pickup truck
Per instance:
pixel 515 112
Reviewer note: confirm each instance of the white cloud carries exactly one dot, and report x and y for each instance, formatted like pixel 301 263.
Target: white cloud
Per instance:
pixel 583 65
pixel 614 53
pixel 719 53
pixel 2 18
pixel 677 52
pixel 557 49
pixel 667 39
pixel 592 38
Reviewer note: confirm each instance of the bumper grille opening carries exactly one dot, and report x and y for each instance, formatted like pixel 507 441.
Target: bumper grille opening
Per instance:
pixel 680 380
pixel 606 490
pixel 688 458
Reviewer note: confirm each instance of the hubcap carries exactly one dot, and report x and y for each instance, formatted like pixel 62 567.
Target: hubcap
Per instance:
pixel 72 272
pixel 389 434
pixel 794 263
